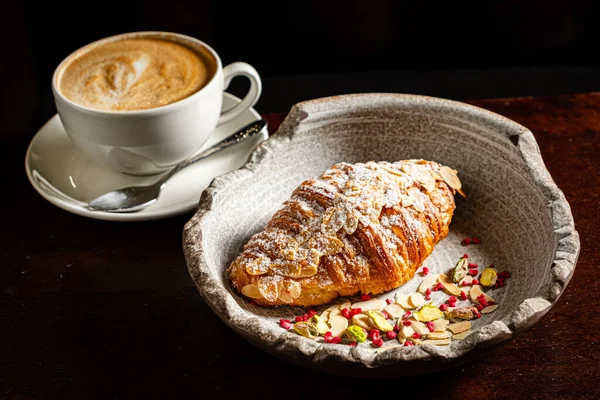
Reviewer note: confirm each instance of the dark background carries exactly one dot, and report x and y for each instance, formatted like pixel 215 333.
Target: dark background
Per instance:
pixel 307 49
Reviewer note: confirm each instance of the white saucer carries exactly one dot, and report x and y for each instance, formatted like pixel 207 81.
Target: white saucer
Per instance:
pixel 68 179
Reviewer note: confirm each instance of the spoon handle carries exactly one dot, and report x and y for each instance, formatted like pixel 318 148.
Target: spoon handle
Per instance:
pixel 248 131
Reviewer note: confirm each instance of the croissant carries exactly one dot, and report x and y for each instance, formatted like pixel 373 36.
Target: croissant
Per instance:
pixel 358 228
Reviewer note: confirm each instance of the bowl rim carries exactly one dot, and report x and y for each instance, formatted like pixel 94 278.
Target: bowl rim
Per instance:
pixel 308 353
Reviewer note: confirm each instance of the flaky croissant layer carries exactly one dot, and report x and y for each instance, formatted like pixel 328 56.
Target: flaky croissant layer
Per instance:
pixel 358 228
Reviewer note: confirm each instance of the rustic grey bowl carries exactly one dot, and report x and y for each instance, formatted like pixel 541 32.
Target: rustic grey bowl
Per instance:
pixel 513 206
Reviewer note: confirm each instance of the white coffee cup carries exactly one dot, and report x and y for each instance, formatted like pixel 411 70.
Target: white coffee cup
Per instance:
pixel 149 141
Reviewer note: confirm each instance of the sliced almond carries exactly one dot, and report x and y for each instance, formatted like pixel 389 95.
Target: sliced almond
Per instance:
pixel 467 280
pixel 427 283
pixel 363 321
pixel 258 266
pixel 449 286
pixel 439 325
pixel 438 342
pixel 268 288
pixel 476 291
pixel 338 325
pixel 489 309
pixel 438 335
pixel 406 332
pixel 404 302
pixel 394 310
pixel 251 291
pixel 415 341
pixel 461 336
pixel 459 327
pixel 450 177
pixel 386 348
pixel 373 304
pixel 416 299
pixel 326 314
pixel 419 327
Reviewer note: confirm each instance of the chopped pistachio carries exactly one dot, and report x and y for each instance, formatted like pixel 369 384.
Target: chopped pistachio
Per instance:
pixel 320 324
pixel 460 270
pixel 379 321
pixel 428 313
pixel 306 329
pixel 488 277
pixel 356 334
pixel 462 313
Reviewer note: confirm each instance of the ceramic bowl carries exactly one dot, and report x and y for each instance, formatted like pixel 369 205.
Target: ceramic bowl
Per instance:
pixel 513 206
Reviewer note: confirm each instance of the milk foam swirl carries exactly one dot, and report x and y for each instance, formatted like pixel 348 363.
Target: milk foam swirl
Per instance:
pixel 134 74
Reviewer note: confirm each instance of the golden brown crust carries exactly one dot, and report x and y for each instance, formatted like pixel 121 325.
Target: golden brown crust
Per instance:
pixel 358 228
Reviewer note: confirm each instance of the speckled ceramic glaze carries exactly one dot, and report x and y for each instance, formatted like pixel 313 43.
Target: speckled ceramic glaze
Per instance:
pixel 513 206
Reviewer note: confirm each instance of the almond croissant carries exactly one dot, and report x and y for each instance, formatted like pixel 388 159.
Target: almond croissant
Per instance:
pixel 358 228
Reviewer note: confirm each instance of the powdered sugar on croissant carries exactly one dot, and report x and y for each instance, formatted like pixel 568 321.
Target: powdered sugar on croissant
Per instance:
pixel 358 228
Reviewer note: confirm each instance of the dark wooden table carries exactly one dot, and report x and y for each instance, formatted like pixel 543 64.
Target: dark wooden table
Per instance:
pixel 93 309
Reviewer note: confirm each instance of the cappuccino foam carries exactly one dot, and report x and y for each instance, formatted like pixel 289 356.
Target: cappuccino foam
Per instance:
pixel 134 74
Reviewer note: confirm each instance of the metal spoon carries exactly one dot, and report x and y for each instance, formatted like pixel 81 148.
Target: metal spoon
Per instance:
pixel 135 198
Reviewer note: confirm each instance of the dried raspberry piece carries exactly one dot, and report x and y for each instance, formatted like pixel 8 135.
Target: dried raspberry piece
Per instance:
pixel 385 315
pixel 365 297
pixel 428 292
pixel 465 283
pixel 391 335
pixel 465 255
pixel 477 314
pixel 416 335
pixel 463 295
pixel 473 272
pixel 474 282
pixel 425 271
pixel 311 313
pixel 388 301
pixel 452 304
pixel 427 297
pixel 479 307
pixel 378 342
pixel 408 343
pixel 355 311
pixel 285 323
pixel 336 340
pixel 406 323
pixel 430 326
pixel 300 318
pixel 473 265
pixel 476 241
pixel 352 344
pixel 396 328
pixel 482 300
pixel 466 241
pixel 374 334
pixel 444 307
pixel 406 315
pixel 452 299
pixel 346 313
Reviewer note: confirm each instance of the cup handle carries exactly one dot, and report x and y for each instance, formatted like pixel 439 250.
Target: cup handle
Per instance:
pixel 241 69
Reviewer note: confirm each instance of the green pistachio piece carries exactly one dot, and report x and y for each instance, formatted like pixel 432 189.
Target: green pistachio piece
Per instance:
pixel 306 329
pixel 320 324
pixel 428 313
pixel 488 277
pixel 460 270
pixel 356 334
pixel 379 321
